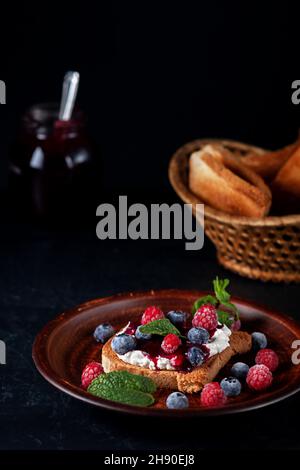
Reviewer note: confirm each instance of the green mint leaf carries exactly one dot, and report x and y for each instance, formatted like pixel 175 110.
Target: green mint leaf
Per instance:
pixel 127 380
pixel 207 299
pixel 220 286
pixel 161 327
pixel 231 306
pixel 122 395
pixel 124 387
pixel 221 299
pixel 225 318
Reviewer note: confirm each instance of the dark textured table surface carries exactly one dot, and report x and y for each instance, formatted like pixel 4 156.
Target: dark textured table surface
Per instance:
pixel 44 273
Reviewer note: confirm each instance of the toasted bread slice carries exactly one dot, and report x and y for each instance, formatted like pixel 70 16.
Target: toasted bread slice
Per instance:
pixel 189 382
pixel 223 182
pixel 286 185
pixel 268 164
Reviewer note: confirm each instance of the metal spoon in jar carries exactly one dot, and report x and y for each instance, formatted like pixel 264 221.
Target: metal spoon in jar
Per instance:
pixel 69 93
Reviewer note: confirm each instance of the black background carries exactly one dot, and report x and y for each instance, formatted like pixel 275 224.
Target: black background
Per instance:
pixel 153 76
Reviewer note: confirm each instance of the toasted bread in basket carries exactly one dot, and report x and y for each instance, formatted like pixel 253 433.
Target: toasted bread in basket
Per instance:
pixel 286 185
pixel 222 181
pixel 268 164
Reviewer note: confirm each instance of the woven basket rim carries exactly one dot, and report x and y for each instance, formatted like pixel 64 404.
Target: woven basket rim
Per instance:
pixel 181 188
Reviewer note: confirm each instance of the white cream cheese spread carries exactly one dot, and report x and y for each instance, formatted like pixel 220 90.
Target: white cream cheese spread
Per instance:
pixel 216 344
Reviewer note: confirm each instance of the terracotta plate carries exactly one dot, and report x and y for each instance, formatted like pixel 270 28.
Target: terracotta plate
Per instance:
pixel 66 345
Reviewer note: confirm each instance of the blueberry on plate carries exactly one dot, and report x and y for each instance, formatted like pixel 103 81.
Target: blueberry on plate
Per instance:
pixel 195 356
pixel 259 341
pixel 103 332
pixel 122 344
pixel 240 370
pixel 231 386
pixel 177 317
pixel 140 335
pixel 198 335
pixel 177 400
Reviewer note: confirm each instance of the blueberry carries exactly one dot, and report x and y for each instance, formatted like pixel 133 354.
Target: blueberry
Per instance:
pixel 231 386
pixel 103 332
pixel 259 341
pixel 198 335
pixel 177 400
pixel 195 356
pixel 177 317
pixel 240 370
pixel 140 335
pixel 122 344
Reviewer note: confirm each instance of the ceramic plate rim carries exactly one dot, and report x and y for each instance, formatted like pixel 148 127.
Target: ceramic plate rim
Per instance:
pixel 44 368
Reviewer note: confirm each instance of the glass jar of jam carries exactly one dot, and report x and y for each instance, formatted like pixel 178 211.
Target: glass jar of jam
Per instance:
pixel 52 169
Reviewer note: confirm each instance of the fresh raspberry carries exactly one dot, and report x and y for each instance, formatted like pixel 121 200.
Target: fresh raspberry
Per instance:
pixel 206 317
pixel 90 372
pixel 170 343
pixel 213 395
pixel 152 313
pixel 177 360
pixel 268 358
pixel 259 377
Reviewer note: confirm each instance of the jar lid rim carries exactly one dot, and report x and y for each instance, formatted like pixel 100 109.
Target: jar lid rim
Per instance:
pixel 45 114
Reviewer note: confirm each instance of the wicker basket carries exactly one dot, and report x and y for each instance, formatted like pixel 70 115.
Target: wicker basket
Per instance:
pixel 266 248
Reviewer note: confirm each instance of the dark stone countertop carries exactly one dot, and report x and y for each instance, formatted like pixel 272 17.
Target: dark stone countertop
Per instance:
pixel 43 273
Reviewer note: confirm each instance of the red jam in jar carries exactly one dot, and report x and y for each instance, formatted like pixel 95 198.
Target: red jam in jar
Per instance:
pixel 52 166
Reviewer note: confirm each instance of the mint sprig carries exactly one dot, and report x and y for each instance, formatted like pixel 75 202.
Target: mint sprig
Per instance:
pixel 126 396
pixel 219 300
pixel 221 294
pixel 225 318
pixel 161 327
pixel 124 387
